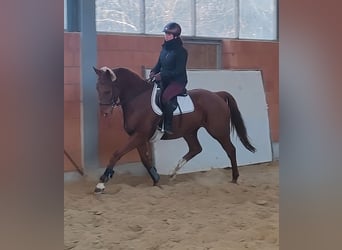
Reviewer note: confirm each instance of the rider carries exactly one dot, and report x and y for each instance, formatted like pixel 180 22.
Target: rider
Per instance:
pixel 170 70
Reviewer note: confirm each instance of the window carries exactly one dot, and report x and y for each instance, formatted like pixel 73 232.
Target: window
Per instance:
pixel 244 19
pixel 65 15
pixel 216 18
pixel 118 16
pixel 258 19
pixel 159 13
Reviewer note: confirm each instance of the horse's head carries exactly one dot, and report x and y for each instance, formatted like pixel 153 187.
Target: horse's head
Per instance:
pixel 107 89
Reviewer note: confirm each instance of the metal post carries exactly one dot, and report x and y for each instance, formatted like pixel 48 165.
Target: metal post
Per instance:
pixel 89 107
pixel 73 15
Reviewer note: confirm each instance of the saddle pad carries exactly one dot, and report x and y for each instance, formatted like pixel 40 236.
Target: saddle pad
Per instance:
pixel 185 103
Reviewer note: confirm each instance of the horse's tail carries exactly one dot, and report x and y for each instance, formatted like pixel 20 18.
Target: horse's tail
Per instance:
pixel 236 119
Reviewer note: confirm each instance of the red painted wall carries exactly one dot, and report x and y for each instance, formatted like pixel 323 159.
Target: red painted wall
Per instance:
pixel 136 51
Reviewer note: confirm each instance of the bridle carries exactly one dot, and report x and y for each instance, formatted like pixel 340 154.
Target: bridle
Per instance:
pixel 113 103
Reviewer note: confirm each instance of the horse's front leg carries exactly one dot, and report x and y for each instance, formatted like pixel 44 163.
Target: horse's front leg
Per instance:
pixel 146 158
pixel 134 141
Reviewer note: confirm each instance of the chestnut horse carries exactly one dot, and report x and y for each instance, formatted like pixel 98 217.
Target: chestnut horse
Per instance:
pixel 215 111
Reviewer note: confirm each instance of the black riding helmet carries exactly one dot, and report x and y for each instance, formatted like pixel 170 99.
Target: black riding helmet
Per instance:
pixel 173 28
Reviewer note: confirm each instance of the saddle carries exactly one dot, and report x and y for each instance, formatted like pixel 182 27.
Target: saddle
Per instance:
pixel 183 101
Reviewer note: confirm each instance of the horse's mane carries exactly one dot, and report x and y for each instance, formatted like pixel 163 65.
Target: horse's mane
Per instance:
pixel 130 80
pixel 128 74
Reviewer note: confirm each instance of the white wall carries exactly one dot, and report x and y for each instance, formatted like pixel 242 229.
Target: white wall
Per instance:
pixel 247 88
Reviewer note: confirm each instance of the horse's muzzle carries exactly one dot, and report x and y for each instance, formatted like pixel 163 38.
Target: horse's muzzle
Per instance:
pixel 106 110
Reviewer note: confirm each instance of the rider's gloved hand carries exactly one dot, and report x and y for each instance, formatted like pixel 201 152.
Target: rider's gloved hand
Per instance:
pixel 157 77
pixel 152 74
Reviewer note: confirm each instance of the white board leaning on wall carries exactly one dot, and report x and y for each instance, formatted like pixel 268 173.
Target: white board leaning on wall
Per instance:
pixel 247 88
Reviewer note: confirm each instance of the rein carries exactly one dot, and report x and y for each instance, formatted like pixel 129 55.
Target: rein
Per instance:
pixel 112 104
pixel 116 103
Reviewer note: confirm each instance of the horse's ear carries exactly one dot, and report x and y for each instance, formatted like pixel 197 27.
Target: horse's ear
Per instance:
pixel 97 71
pixel 110 74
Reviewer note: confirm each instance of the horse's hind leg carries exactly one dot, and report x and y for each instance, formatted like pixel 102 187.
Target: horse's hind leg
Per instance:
pixel 194 149
pixel 231 152
pixel 228 146
pixel 221 133
pixel 146 159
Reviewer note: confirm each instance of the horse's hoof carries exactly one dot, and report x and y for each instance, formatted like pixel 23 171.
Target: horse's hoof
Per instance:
pixel 234 181
pixel 157 185
pixel 172 177
pixel 98 190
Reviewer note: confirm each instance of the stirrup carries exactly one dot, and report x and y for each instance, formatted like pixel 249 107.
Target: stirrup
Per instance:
pixel 170 132
pixel 167 130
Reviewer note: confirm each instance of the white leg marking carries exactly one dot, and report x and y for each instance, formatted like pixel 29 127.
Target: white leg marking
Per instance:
pixel 100 185
pixel 180 164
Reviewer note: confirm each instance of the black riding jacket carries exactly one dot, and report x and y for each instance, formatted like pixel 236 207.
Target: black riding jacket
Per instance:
pixel 172 62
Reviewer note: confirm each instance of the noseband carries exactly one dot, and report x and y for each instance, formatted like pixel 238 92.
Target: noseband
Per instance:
pixel 113 103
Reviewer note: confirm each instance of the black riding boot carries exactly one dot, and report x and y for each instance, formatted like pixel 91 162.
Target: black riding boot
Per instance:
pixel 168 115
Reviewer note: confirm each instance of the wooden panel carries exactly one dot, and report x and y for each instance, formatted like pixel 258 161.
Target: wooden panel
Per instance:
pixel 72 110
pixel 72 135
pixel 71 49
pixel 76 157
pixel 72 75
pixel 201 56
pixel 72 132
pixel 71 92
